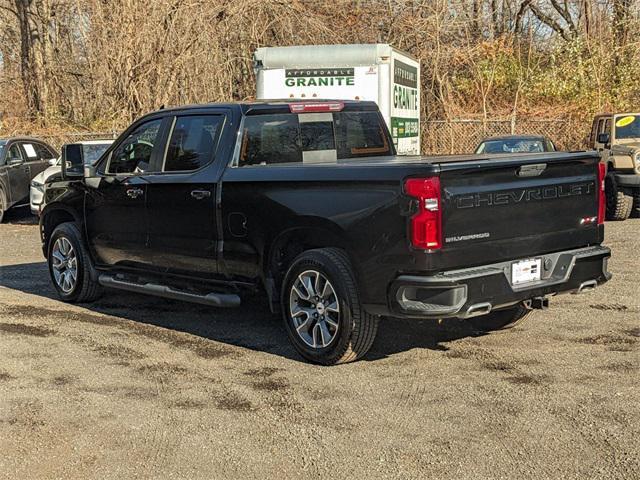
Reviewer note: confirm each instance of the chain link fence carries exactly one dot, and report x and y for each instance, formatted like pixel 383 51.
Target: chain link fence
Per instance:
pixel 439 137
pixel 57 140
pixel 444 137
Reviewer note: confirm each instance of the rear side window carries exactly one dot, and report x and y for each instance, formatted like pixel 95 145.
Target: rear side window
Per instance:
pixel 193 142
pixel 360 135
pixel 270 139
pixel 312 138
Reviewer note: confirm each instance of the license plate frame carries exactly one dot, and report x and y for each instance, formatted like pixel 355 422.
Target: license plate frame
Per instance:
pixel 526 271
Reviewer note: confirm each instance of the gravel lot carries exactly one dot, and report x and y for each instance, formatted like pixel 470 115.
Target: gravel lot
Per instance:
pixel 140 387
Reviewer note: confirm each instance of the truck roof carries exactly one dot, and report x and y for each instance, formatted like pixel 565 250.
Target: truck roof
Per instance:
pixel 309 56
pixel 248 107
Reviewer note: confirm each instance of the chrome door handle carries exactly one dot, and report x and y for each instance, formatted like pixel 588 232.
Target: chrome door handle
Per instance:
pixel 200 194
pixel 134 192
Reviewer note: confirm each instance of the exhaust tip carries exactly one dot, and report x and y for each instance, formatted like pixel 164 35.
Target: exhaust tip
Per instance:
pixel 478 309
pixel 587 286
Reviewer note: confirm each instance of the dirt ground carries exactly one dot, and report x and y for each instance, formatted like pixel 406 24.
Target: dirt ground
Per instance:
pixel 139 387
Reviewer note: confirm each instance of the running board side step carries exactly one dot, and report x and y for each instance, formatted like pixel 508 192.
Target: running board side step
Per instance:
pixel 213 299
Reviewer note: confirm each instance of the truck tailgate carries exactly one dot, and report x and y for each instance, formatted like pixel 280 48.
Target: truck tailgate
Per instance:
pixel 514 207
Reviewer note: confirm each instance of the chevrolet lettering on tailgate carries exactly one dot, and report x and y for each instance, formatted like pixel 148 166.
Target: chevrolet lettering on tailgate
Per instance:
pixel 511 197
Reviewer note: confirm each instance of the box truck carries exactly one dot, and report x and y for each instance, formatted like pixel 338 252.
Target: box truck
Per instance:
pixel 376 72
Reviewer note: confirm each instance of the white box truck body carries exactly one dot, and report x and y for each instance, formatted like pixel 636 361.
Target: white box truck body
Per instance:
pixel 376 72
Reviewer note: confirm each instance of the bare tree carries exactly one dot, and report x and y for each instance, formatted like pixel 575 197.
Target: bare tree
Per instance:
pixel 98 63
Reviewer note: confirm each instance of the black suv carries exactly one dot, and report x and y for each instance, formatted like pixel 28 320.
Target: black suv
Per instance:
pixel 307 201
pixel 21 159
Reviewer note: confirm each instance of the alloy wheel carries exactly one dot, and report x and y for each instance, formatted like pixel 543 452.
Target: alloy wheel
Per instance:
pixel 65 264
pixel 314 309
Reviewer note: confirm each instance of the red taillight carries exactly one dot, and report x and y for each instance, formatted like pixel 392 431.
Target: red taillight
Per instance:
pixel 602 203
pixel 308 107
pixel 426 224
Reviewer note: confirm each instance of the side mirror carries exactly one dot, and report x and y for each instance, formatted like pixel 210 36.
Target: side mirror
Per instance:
pixel 604 138
pixel 72 161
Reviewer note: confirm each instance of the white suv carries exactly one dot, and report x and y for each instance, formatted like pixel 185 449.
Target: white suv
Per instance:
pixel 92 150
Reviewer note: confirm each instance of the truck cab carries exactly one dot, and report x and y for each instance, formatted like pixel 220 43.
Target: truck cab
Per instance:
pixel 617 138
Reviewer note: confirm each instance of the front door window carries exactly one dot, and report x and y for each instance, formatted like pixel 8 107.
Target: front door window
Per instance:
pixel 133 155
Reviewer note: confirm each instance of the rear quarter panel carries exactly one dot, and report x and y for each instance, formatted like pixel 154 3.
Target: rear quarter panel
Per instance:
pixel 356 208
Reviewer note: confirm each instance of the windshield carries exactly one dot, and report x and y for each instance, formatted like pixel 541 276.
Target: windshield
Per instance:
pixel 512 146
pixel 627 127
pixel 93 152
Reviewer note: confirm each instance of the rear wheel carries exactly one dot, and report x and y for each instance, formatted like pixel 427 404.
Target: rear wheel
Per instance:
pixel 619 204
pixel 69 265
pixel 321 309
pixel 500 319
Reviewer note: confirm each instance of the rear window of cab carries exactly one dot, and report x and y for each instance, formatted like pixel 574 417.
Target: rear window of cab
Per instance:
pixel 307 138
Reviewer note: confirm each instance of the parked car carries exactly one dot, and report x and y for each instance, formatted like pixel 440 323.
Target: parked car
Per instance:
pixel 90 150
pixel 21 159
pixel 516 144
pixel 617 138
pixel 308 202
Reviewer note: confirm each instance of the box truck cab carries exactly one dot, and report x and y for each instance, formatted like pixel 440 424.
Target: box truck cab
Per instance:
pixel 374 72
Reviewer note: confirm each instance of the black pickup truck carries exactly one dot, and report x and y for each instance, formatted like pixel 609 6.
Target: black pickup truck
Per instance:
pixel 308 202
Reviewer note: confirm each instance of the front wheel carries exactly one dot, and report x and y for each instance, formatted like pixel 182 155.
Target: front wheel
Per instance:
pixel 619 204
pixel 321 309
pixel 69 265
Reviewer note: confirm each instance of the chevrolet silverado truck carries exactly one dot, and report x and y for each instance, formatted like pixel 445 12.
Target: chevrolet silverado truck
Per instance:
pixel 308 203
pixel 617 138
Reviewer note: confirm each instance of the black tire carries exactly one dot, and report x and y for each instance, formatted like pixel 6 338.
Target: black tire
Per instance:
pixel 636 205
pixel 619 204
pixel 356 329
pixel 3 205
pixel 85 289
pixel 500 319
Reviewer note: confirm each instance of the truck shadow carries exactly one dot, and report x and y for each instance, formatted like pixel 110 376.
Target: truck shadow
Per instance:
pixel 251 326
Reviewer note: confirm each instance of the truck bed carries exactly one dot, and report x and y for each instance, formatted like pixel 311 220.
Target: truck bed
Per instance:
pixel 363 201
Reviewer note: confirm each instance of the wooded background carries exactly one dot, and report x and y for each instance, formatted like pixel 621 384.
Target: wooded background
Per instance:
pixel 95 65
